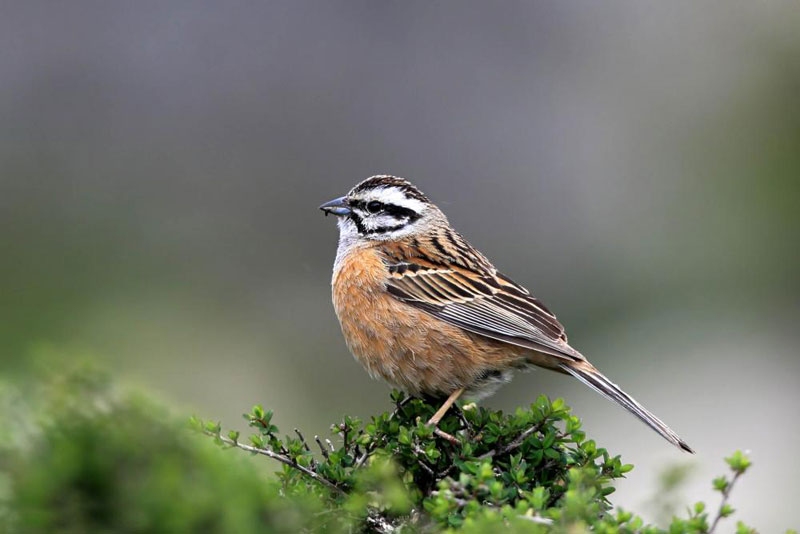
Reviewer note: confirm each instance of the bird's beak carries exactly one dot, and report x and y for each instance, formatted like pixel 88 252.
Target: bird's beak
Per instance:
pixel 337 206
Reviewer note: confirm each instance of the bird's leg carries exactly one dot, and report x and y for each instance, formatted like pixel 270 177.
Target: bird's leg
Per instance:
pixel 446 406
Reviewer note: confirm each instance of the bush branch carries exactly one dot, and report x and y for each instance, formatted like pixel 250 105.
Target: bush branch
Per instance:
pixel 281 458
pixel 516 443
pixel 726 493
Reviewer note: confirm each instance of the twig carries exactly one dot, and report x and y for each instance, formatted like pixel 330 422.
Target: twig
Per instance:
pixel 379 523
pixel 368 450
pixel 401 404
pixel 517 442
pixel 458 500
pixel 466 424
pixel 725 494
pixel 343 428
pixel 302 439
pixel 363 457
pixel 357 449
pixel 322 447
pixel 305 445
pixel 282 459
pixel 422 464
pixel 447 471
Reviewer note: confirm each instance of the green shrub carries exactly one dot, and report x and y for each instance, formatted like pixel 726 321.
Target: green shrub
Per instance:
pixel 81 459
pixel 532 471
pixel 89 461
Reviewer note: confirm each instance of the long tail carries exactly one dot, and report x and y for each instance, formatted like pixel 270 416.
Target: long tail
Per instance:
pixel 595 380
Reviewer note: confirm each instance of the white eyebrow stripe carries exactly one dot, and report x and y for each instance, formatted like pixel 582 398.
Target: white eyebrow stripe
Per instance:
pixel 393 195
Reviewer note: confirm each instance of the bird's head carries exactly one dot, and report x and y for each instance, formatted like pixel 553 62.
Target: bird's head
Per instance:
pixel 383 208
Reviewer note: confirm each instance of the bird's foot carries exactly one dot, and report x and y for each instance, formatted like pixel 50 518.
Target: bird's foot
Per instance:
pixel 434 421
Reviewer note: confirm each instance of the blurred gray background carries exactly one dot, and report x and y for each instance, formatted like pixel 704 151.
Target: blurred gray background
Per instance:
pixel 635 164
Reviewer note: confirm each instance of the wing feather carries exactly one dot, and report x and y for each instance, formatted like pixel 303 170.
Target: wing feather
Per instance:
pixel 481 302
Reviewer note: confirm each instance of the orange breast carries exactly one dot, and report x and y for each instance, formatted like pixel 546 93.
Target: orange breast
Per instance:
pixel 405 346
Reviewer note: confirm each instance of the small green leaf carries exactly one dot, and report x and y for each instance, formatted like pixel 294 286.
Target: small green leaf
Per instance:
pixel 738 462
pixel 720 484
pixel 726 510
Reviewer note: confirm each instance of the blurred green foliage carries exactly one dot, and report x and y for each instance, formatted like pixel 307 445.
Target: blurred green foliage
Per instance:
pixel 85 459
pixel 78 456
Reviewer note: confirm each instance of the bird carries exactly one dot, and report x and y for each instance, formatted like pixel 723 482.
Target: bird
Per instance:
pixel 424 310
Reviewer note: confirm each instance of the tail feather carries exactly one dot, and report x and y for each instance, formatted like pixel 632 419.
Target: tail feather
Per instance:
pixel 595 380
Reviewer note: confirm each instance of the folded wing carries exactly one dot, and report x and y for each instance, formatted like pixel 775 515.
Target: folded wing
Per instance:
pixel 482 301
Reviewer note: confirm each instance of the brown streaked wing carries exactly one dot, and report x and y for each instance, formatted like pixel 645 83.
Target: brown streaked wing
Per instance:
pixel 484 303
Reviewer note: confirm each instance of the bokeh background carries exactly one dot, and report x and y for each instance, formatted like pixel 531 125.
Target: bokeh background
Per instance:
pixel 635 164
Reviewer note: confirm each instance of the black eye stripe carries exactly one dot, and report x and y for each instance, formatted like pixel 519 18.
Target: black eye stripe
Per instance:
pixel 389 209
pixel 404 216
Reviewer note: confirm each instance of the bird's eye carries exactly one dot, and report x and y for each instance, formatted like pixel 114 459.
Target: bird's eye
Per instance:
pixel 374 206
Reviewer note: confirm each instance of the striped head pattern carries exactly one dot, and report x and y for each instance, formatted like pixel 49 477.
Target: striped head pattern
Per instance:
pixel 382 208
